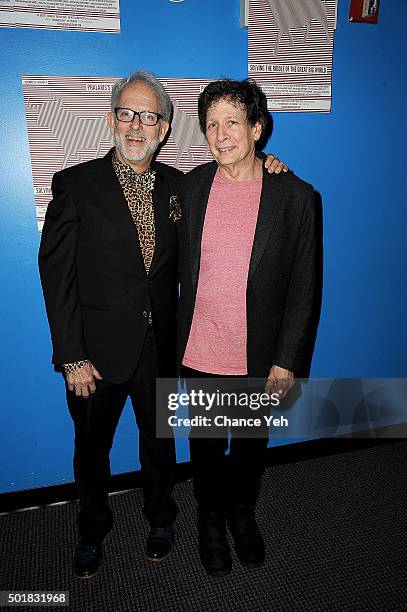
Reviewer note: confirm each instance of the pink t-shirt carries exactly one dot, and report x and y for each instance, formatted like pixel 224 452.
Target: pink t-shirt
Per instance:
pixel 218 337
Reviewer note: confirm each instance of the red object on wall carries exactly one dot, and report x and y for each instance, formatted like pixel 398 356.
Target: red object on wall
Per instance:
pixel 364 11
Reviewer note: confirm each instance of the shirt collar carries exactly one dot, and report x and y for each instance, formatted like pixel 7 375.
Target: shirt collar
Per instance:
pixel 126 170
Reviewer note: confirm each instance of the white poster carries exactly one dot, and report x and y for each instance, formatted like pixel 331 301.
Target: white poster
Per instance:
pixel 66 122
pixel 86 15
pixel 290 52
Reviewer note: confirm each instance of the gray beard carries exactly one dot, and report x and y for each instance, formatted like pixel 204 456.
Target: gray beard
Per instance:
pixel 148 150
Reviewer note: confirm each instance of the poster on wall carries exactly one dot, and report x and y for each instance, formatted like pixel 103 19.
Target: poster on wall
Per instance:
pixel 85 15
pixel 66 123
pixel 290 52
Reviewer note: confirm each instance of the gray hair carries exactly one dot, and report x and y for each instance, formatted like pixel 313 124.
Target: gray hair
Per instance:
pixel 141 76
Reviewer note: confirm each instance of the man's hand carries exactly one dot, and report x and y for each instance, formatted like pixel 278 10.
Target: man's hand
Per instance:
pixel 279 381
pixel 82 381
pixel 274 165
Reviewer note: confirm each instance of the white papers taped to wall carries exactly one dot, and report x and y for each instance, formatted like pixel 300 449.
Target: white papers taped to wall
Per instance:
pixel 290 52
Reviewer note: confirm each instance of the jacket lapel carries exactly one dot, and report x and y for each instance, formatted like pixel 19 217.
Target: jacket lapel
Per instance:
pixel 198 203
pixel 270 209
pixel 114 202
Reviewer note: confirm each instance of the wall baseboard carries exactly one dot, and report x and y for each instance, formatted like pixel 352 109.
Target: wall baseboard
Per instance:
pixel 288 453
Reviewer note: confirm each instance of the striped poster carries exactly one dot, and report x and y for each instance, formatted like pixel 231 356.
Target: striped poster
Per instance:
pixel 290 52
pixel 85 15
pixel 66 122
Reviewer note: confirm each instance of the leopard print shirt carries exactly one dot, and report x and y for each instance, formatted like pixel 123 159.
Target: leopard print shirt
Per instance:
pixel 138 191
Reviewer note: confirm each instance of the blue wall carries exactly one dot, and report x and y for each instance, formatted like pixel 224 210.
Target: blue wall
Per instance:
pixel 353 156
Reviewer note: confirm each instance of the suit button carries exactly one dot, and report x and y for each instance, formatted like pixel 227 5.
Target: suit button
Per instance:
pixel 145 313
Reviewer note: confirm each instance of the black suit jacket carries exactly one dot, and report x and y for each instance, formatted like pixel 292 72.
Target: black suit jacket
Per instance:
pixel 281 291
pixel 96 290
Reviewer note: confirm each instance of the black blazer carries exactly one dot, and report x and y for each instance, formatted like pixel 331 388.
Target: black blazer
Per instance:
pixel 281 290
pixel 97 293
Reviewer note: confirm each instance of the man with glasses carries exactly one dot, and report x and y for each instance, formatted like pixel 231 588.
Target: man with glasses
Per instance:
pixel 108 265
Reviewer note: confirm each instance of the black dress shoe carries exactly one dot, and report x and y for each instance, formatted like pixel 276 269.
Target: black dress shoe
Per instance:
pixel 214 549
pixel 160 543
pixel 87 560
pixel 249 543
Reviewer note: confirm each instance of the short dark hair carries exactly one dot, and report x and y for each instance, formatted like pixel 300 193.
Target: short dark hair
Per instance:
pixel 246 94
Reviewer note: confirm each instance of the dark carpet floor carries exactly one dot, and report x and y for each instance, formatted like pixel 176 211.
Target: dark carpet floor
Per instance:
pixel 335 530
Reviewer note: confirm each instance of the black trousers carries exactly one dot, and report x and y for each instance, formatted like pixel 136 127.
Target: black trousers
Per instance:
pixel 220 482
pixel 95 420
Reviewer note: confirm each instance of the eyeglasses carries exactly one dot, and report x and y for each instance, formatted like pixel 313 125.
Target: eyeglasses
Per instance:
pixel 146 117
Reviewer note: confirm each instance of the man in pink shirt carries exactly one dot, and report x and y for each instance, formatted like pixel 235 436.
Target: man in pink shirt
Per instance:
pixel 248 301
